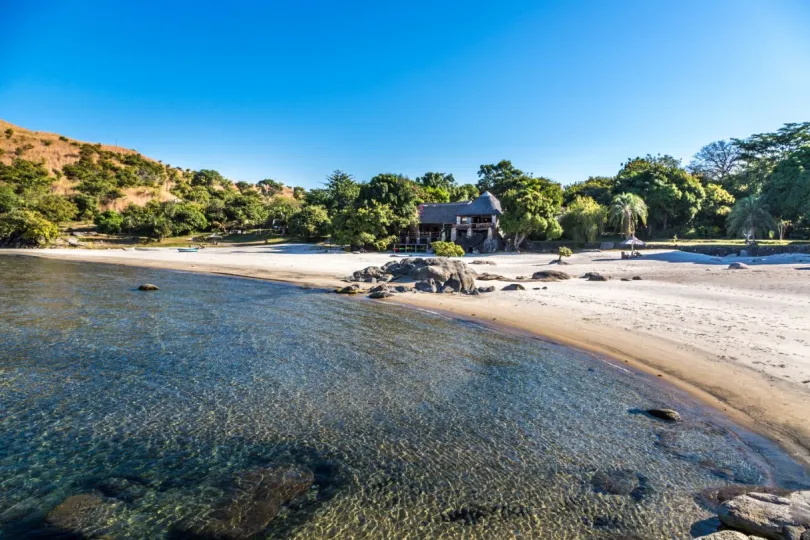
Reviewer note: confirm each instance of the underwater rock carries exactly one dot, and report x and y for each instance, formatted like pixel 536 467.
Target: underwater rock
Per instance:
pixel 256 497
pixel 148 287
pixel 550 275
pixel 617 482
pixel 81 515
pixel 670 415
pixel 473 513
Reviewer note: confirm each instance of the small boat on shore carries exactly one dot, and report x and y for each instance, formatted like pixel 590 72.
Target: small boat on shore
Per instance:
pixel 188 250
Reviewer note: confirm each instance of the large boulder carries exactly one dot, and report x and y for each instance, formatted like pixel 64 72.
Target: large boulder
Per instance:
pixel 148 287
pixel 550 275
pixel 767 515
pixel 253 500
pixel 428 285
pixel 725 535
pixel 442 270
pixel 596 276
pixel 670 415
pixel 368 274
pixel 514 287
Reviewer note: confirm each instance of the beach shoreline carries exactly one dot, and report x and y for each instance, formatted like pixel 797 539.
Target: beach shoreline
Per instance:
pixel 584 316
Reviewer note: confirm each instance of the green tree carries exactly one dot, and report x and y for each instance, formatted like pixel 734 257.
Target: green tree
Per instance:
pixel 109 222
pixel 433 195
pixel 56 208
pixel 498 178
pixel 281 210
pixel 270 187
pixel 717 161
pixel 787 192
pixel 713 212
pixel 25 176
pixel 87 205
pixel 341 191
pixel 531 207
pixel 243 186
pixel 395 191
pixel 563 252
pixel 464 192
pixel 26 227
pixel 440 180
pixel 598 188
pixel 9 200
pixel 583 219
pixel 672 195
pixel 625 211
pixel 9 133
pixel 310 223
pixel 208 178
pixel 750 216
pixel 246 210
pixel 184 218
pixel 365 226
pixel 299 193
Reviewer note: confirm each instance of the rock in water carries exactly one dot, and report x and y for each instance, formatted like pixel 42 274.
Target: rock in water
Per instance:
pixel 514 287
pixel 148 287
pixel 351 289
pixel 550 275
pixel 669 415
pixel 767 515
pixel 81 515
pixel 256 497
pixel 737 266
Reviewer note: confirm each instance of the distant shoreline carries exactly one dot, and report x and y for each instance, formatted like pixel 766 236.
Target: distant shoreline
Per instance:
pixel 757 402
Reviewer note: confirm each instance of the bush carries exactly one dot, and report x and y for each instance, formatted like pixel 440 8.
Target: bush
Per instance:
pixel 9 132
pixel 46 142
pixel 564 252
pixel 26 227
pixel 109 222
pixel 447 249
pixel 63 138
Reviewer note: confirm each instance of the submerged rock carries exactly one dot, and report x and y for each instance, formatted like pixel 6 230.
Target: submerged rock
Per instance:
pixel 550 275
pixel 81 515
pixel 621 482
pixel 669 415
pixel 148 287
pixel 768 515
pixel 351 289
pixel 255 499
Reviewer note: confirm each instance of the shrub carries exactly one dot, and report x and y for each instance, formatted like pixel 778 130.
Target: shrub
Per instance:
pixel 63 138
pixel 56 208
pixel 447 249
pixel 26 227
pixel 564 252
pixel 9 132
pixel 23 149
pixel 109 222
pixel 46 142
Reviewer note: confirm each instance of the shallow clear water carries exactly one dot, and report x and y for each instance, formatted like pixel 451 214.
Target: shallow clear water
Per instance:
pixel 407 418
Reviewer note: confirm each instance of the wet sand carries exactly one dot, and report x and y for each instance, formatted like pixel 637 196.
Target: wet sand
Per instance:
pixel 739 340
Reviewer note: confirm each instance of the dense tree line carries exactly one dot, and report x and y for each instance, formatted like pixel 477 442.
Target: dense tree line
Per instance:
pixel 741 187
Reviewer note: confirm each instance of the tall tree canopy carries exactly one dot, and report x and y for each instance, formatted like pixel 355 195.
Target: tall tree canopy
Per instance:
pixel 787 192
pixel 672 195
pixel 583 219
pixel 626 210
pixel 498 178
pixel 598 188
pixel 717 161
pixel 749 217
pixel 530 207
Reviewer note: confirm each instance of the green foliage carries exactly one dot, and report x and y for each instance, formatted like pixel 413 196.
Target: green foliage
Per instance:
pixel 626 210
pixel 9 200
pixel 207 178
pixel 109 222
pixel 299 192
pixel 713 212
pixel 270 187
pixel 447 249
pixel 281 210
pixel 56 208
pixel 184 218
pixel 63 138
pixel 564 252
pixel 465 192
pixel 598 188
pixel 9 132
pixel 787 192
pixel 20 150
pixel 26 227
pixel 749 217
pixel 530 207
pixel 25 176
pixel 364 226
pixel 433 195
pixel 669 191
pixel 583 219
pixel 341 191
pixel 87 205
pixel 498 178
pixel 439 180
pixel 246 211
pixel 310 223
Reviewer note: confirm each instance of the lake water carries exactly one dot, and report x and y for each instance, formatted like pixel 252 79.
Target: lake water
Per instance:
pixel 415 425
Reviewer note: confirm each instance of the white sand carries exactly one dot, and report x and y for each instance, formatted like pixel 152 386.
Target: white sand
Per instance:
pixel 738 338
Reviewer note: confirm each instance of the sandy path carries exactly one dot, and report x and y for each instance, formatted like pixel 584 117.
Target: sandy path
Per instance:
pixel 740 340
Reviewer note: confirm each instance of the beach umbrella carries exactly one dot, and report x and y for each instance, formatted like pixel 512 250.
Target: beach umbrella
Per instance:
pixel 632 242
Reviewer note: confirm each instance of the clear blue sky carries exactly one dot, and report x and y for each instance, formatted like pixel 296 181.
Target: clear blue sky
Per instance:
pixel 293 90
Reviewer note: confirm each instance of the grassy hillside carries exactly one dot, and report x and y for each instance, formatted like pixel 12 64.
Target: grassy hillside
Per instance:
pixel 48 181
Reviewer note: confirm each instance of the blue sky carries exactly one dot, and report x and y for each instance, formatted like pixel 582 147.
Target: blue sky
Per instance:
pixel 293 90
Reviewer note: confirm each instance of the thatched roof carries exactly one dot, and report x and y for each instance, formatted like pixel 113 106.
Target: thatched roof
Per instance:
pixel 443 213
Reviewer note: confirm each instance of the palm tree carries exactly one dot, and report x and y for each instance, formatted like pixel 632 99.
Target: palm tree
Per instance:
pixel 625 210
pixel 749 216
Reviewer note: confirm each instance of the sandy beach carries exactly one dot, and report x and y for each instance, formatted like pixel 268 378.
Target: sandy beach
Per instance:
pixel 737 339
